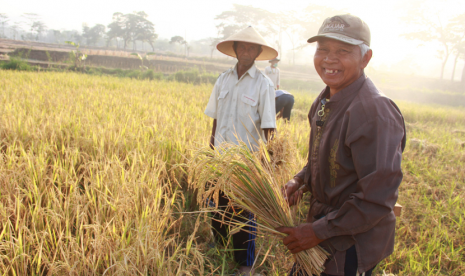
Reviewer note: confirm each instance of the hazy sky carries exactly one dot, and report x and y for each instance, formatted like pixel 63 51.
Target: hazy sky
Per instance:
pixel 195 20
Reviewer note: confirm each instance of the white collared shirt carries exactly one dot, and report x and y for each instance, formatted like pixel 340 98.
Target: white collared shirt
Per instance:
pixel 273 74
pixel 242 106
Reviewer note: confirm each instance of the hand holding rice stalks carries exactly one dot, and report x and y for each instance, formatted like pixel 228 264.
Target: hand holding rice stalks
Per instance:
pixel 247 178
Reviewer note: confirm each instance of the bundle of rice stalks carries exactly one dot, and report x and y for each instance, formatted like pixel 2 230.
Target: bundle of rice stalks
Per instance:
pixel 247 179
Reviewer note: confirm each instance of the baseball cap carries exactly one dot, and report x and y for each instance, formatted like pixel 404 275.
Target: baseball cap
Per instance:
pixel 346 28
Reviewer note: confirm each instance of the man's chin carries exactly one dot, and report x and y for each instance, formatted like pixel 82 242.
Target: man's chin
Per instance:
pixel 246 63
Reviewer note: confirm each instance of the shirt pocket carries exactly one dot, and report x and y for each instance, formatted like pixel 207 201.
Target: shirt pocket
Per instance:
pixel 222 99
pixel 248 106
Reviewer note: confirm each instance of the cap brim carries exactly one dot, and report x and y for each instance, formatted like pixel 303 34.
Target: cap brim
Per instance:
pixel 226 47
pixel 336 36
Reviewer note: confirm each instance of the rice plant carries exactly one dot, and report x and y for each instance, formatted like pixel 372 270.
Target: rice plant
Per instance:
pixel 247 178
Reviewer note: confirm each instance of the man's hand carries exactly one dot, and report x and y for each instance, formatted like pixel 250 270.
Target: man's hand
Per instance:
pixel 291 191
pixel 299 238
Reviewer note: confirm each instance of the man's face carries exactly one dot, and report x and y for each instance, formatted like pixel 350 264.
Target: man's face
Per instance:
pixel 339 64
pixel 247 52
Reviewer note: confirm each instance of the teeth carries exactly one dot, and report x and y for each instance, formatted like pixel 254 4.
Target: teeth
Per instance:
pixel 330 71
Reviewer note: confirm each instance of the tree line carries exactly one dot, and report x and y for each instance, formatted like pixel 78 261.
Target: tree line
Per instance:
pixel 290 27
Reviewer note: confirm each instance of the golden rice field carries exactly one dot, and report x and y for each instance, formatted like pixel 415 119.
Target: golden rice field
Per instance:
pixel 93 180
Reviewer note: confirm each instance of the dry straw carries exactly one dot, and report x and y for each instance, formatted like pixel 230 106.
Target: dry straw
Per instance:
pixel 247 178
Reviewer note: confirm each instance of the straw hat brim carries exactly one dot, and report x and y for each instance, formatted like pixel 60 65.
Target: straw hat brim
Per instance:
pixel 249 35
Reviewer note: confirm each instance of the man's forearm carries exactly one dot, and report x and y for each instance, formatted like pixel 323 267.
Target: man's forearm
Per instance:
pixel 212 138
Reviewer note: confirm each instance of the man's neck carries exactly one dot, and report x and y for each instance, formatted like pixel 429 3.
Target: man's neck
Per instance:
pixel 241 69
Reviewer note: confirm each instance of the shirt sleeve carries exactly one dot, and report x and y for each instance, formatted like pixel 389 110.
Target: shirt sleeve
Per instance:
pixel 266 107
pixel 302 172
pixel 376 148
pixel 211 109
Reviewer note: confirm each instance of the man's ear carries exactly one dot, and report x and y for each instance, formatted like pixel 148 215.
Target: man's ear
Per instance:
pixel 366 59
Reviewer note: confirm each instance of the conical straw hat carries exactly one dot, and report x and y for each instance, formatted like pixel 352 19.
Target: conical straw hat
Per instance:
pixel 247 35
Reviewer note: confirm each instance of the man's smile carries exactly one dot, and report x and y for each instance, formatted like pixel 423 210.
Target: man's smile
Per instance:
pixel 331 72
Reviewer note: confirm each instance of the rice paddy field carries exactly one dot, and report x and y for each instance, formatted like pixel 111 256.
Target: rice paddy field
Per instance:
pixel 93 180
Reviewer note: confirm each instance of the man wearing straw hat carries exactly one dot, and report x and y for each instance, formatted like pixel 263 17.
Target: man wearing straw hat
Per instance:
pixel 354 162
pixel 242 105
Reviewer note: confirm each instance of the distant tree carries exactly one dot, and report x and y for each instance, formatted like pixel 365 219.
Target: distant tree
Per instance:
pixel 180 40
pixel 57 35
pixel 429 29
pixel 94 34
pixel 115 28
pixel 457 26
pixel 3 20
pixel 38 27
pixel 35 25
pixel 131 27
pixel 146 32
pixel 15 29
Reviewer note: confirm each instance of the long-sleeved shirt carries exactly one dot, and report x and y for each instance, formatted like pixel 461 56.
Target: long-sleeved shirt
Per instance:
pixel 242 107
pixel 353 173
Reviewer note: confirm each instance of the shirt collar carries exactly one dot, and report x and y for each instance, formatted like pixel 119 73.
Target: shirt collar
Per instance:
pixel 351 88
pixel 252 70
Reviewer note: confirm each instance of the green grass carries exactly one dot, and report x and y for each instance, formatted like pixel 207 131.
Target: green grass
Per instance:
pixel 92 179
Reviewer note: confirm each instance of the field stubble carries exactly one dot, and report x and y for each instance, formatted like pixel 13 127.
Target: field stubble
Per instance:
pixel 92 180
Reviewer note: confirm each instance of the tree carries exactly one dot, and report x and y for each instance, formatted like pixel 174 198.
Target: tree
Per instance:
pixel 92 35
pixel 145 57
pixel 35 25
pixel 431 29
pixel 115 28
pixel 180 40
pixel 38 27
pixel 147 32
pixel 3 20
pixel 57 36
pixel 15 28
pixel 130 28
pixel 457 26
pixel 77 56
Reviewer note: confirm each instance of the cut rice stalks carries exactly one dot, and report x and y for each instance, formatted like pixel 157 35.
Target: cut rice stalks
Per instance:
pixel 247 179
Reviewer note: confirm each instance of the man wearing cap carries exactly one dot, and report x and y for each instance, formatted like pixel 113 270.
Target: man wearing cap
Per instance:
pixel 354 162
pixel 242 105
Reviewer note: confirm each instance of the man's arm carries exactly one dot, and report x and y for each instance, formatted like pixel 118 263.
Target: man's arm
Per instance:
pixel 376 153
pixel 212 138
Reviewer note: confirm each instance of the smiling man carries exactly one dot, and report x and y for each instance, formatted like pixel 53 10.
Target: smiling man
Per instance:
pixel 242 106
pixel 354 162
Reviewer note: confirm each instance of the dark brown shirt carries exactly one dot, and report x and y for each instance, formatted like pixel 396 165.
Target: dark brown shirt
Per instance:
pixel 353 173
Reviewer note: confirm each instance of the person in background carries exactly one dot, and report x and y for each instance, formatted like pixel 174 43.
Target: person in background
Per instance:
pixel 284 99
pixel 284 104
pixel 357 136
pixel 272 72
pixel 242 106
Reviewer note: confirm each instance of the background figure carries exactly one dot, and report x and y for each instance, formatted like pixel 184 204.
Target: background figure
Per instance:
pixel 272 72
pixel 284 104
